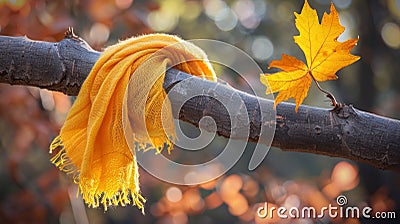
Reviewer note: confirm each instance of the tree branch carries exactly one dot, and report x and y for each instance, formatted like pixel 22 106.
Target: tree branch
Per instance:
pixel 347 133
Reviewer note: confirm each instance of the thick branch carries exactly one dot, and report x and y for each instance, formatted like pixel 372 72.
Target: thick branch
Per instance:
pixel 348 133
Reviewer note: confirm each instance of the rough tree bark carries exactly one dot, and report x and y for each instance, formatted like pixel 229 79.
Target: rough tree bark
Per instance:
pixel 346 133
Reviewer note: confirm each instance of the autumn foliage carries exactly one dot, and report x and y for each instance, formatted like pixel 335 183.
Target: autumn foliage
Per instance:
pixel 33 191
pixel 324 54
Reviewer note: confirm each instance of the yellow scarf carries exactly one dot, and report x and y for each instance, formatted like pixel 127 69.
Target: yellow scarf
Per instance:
pixel 92 146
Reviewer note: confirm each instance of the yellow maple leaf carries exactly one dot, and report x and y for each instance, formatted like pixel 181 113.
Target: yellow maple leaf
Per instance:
pixel 324 56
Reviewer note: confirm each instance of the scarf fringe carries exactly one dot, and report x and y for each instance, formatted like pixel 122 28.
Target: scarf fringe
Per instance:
pixel 61 160
pixel 157 144
pixel 122 197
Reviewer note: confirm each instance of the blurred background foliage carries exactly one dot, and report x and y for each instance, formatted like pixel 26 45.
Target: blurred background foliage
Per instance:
pixel 33 191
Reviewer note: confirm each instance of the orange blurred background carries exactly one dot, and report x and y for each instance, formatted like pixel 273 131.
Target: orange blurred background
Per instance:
pixel 34 191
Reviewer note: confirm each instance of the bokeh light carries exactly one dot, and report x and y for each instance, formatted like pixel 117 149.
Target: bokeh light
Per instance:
pixel 123 4
pixel 173 194
pixel 30 118
pixel 342 4
pixel 98 34
pixel 162 20
pixel 262 48
pixel 213 7
pixel 226 19
pixel 345 176
pixel 230 187
pixel 245 9
pixel 292 201
pixel 192 10
pixel 391 35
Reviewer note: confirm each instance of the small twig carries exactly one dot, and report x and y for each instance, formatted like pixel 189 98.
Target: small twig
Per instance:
pixel 71 35
pixel 335 104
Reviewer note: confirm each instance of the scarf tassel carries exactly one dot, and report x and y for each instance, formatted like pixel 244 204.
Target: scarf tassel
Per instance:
pixel 122 197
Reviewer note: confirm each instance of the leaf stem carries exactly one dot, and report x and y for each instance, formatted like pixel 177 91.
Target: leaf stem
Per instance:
pixel 335 104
